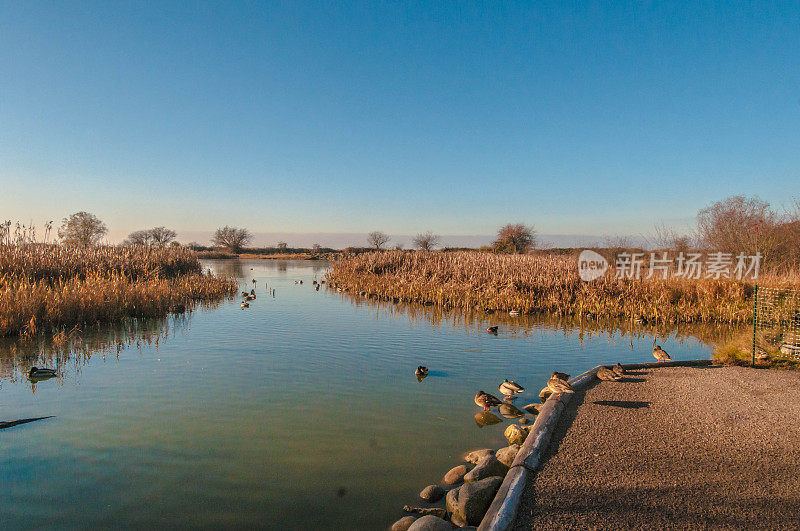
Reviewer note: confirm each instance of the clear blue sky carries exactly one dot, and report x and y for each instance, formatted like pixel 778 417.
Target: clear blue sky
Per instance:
pixel 584 118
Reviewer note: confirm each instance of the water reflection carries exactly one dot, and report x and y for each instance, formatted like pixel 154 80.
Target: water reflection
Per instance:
pixel 510 411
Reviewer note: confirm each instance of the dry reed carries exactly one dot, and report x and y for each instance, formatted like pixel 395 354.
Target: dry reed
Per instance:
pixel 542 283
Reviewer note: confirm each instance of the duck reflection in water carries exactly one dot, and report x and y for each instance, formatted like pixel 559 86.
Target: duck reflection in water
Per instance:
pixel 510 411
pixel 486 418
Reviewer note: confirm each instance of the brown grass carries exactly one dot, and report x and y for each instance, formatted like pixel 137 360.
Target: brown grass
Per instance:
pixel 49 287
pixel 542 283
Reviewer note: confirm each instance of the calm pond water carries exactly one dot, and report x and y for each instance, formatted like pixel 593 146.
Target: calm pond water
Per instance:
pixel 300 412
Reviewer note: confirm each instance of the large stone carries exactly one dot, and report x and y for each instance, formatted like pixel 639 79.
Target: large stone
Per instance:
pixel 508 454
pixel 475 498
pixel 458 520
pixel 404 523
pixel 516 434
pixel 432 493
pixel 425 511
pixel 451 500
pixel 475 456
pixel 489 466
pixel 455 475
pixel 430 523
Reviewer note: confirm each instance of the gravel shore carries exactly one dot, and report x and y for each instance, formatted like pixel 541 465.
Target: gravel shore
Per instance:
pixel 679 447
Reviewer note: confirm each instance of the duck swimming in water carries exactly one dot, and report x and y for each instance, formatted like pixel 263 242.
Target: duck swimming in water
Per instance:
pixel 510 388
pixel 421 372
pixel 245 305
pixel 37 372
pixel 492 329
pixel 660 354
pixel 487 401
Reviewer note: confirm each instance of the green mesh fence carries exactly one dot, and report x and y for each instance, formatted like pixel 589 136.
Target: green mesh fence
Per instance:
pixel 776 323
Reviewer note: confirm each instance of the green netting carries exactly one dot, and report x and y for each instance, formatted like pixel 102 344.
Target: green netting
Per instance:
pixel 776 323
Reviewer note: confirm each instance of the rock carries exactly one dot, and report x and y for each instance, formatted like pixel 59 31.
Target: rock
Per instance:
pixel 508 454
pixel 451 500
pixel 533 409
pixel 516 434
pixel 404 523
pixel 430 523
pixel 475 498
pixel 432 493
pixel 426 511
pixel 455 475
pixel 489 466
pixel 458 520
pixel 475 456
pixel 510 411
pixel 486 418
pixel 524 420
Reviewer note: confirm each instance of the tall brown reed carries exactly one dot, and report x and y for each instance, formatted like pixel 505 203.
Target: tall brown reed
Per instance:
pixel 542 283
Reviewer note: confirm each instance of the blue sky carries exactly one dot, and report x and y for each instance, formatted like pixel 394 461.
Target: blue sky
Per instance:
pixel 338 117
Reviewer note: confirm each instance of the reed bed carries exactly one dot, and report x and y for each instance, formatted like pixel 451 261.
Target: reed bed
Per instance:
pixel 542 283
pixel 46 287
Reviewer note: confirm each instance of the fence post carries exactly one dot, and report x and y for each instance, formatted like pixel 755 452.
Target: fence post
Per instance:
pixel 755 322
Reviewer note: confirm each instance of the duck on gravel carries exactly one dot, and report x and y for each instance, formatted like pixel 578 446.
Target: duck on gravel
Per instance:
pixel 619 369
pixel 606 374
pixel 487 401
pixel 660 354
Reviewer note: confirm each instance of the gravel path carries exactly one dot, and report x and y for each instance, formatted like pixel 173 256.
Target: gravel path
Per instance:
pixel 674 448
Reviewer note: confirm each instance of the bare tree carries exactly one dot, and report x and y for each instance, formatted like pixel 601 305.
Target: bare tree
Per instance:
pixel 515 238
pixel 231 238
pixel 282 246
pixel 668 238
pixel 426 241
pixel 139 237
pixel 162 235
pixel 316 248
pixel 81 228
pixel 377 239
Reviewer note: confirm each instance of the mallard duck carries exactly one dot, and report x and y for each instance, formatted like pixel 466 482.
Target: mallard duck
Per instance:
pixel 244 294
pixel 421 371
pixel 544 394
pixel 301 282
pixel 558 385
pixel 492 329
pixel 37 372
pixel 513 313
pixel 244 305
pixel 564 376
pixel 619 369
pixel 487 401
pixel 604 373
pixel 660 354
pixel 510 388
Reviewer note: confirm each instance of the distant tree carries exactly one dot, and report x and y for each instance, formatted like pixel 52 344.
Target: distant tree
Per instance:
pixel 81 228
pixel 315 249
pixel 426 241
pixel 377 239
pixel 282 246
pixel 139 237
pixel 398 247
pixel 194 246
pixel 162 235
pixel 515 238
pixel 231 238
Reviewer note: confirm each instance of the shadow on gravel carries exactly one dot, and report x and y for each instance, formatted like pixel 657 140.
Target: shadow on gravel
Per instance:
pixel 627 404
pixel 627 379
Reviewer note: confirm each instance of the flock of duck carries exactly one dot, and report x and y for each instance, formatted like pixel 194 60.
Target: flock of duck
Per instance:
pixel 558 382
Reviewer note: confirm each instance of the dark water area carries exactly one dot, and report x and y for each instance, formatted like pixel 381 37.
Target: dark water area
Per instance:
pixel 300 412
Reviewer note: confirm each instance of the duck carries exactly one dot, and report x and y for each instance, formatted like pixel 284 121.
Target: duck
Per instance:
pixel 604 373
pixel 422 371
pixel 660 354
pixel 513 313
pixel 564 376
pixel 253 292
pixel 510 388
pixel 245 305
pixel 556 384
pixel 487 401
pixel 619 369
pixel 492 329
pixel 37 372
pixel 544 394
pixel 244 294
